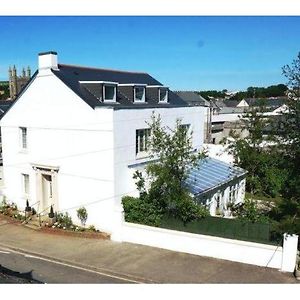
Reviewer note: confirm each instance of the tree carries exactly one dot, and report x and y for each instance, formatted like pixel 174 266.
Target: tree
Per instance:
pixel 82 215
pixel 172 157
pixel 257 155
pixel 287 212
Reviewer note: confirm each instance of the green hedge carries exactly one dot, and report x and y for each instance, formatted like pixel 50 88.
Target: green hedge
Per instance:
pixel 226 228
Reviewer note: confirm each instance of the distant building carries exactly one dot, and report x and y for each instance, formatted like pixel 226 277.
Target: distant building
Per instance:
pixel 195 99
pixel 16 83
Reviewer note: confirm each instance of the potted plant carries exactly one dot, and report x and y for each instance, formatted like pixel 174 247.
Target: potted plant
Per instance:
pixel 27 209
pixel 51 216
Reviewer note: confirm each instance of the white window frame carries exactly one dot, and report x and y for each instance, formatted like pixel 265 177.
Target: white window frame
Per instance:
pixel 233 191
pixel 159 96
pixel 25 184
pixel 23 132
pixel 115 92
pixel 134 94
pixel 144 152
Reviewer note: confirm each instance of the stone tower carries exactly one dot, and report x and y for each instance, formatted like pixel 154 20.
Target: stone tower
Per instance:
pixel 16 83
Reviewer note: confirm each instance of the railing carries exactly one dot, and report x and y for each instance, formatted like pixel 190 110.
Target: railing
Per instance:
pixel 27 219
pixel 40 214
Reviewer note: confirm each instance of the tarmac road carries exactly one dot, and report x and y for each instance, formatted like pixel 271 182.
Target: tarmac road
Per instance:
pixel 17 267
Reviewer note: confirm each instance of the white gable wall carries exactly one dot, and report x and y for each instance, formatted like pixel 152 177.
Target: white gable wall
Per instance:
pixel 62 131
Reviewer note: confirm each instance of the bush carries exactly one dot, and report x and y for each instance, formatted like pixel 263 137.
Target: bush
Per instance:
pixel 248 211
pixel 92 228
pixel 82 215
pixel 64 220
pixel 140 211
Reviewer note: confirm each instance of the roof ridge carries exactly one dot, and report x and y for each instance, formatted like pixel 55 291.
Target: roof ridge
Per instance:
pixel 102 69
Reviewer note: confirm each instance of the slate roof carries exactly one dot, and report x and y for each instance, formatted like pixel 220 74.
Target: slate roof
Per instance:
pixel 192 98
pixel 231 103
pixel 267 102
pixel 72 75
pixel 4 106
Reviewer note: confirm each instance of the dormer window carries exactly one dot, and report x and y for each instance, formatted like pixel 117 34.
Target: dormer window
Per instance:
pixel 163 95
pixel 109 92
pixel 139 94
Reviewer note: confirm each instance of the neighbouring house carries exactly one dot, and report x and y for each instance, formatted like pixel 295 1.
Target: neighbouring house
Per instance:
pixel 195 99
pixel 75 136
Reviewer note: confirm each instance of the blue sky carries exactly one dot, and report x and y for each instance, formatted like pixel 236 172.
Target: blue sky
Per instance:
pixel 184 53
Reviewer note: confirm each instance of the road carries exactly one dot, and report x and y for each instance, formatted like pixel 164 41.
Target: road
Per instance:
pixel 17 267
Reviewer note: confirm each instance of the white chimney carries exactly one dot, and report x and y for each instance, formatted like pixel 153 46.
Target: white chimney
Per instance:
pixel 47 61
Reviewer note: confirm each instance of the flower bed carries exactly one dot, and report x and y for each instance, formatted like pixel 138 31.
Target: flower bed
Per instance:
pixel 81 234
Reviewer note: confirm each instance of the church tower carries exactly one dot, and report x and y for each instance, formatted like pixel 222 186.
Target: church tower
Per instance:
pixel 17 83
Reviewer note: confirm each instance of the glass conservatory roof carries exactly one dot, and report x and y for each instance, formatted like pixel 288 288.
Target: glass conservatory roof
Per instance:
pixel 210 173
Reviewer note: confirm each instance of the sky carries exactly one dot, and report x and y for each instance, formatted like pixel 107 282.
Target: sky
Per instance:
pixel 184 53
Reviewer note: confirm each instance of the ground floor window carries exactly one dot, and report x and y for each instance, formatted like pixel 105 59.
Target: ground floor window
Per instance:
pixel 233 193
pixel 25 183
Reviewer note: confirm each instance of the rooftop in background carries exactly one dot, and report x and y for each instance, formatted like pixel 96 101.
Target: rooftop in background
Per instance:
pixel 192 98
pixel 210 174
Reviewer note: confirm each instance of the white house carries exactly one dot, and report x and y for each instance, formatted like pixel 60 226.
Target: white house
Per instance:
pixel 75 134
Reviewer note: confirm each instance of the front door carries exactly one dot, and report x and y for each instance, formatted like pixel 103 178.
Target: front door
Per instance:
pixel 47 190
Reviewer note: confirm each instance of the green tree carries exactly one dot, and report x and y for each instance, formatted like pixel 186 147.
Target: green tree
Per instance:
pixel 258 155
pixel 287 212
pixel 172 157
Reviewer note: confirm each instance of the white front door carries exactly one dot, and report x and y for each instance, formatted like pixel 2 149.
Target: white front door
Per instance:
pixel 47 191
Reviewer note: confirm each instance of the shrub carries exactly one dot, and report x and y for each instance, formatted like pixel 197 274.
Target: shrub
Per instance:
pixel 140 211
pixel 82 215
pixel 64 220
pixel 249 211
pixel 92 228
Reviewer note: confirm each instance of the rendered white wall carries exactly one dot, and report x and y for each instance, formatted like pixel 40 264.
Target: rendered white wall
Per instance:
pixel 127 121
pixel 63 131
pixel 290 243
pixel 234 250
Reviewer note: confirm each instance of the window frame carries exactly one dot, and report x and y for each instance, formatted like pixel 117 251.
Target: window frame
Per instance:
pixel 134 94
pixel 25 184
pixel 23 136
pixel 138 143
pixel 114 86
pixel 166 97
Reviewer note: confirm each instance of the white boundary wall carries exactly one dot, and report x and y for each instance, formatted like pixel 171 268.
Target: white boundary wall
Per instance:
pixel 234 250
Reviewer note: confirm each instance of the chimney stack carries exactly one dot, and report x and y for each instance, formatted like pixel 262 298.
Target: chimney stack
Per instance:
pixel 47 61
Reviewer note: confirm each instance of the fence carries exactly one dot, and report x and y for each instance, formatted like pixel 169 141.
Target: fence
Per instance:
pixel 226 228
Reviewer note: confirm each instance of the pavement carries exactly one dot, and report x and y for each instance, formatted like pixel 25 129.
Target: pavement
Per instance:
pixel 128 262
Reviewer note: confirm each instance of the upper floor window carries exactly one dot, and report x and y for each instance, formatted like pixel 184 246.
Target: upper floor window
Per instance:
pixel 23 137
pixel 142 141
pixel 186 127
pixel 139 94
pixel 109 92
pixel 163 95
